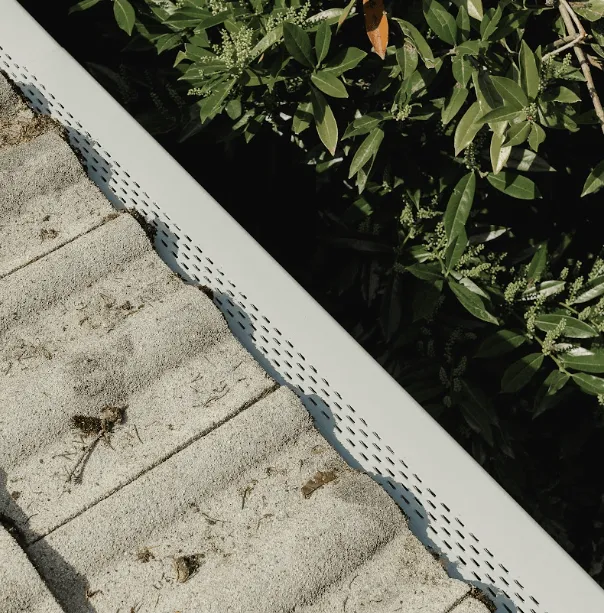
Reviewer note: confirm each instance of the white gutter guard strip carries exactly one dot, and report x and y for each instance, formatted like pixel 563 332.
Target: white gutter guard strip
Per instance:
pixel 453 505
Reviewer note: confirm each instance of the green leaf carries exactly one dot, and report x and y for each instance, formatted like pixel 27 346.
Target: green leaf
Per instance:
pixel 486 92
pixel 419 41
pixel 503 113
pixel 233 108
pixel 469 284
pixel 544 289
pixel 477 411
pixel 199 40
pixel 592 289
pixel 511 92
pixel 537 265
pixel 458 97
pixel 297 42
pixel 592 10
pixel 589 383
pixel 440 21
pixel 364 125
pixel 474 8
pixel 368 149
pixel 463 23
pixel 167 42
pixel 586 360
pixel 528 161
pixel 517 134
pixel 574 327
pixel 329 84
pixel 124 15
pixel 417 84
pixel 529 75
pixel 510 23
pixel 470 47
pixel 212 105
pixel 459 205
pixel 514 185
pixel 498 153
pixel 214 20
pixel 362 176
pixel 521 372
pixel 345 60
pixel 429 271
pixel 267 41
pixel 82 6
pixel 328 16
pixel 327 127
pixel 594 181
pixel 560 93
pixel 407 59
pixel 190 17
pixel 536 137
pixel 197 73
pixel 420 254
pixel 455 249
pixel 489 235
pixel 302 117
pixel 490 21
pixel 472 302
pixel 462 70
pixel 467 128
pixel 345 14
pixel 500 343
pixel 322 41
pixel 553 383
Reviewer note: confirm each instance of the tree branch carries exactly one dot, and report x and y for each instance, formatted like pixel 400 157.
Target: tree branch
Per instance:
pixel 575 28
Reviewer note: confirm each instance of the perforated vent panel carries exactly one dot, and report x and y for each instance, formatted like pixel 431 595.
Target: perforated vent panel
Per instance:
pixel 346 425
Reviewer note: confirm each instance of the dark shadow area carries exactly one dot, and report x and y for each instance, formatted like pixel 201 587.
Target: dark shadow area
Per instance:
pixel 48 563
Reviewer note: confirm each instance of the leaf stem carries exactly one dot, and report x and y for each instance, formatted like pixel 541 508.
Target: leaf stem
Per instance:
pixel 567 306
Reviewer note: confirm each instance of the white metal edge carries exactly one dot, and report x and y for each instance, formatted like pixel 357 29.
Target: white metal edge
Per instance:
pixel 403 425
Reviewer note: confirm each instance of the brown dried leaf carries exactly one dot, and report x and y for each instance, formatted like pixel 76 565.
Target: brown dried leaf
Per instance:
pixel 376 25
pixel 319 480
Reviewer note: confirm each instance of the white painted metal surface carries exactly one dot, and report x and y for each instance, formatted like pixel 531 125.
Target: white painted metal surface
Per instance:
pixel 452 504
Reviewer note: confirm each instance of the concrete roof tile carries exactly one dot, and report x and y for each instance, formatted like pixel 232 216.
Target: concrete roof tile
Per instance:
pixel 46 200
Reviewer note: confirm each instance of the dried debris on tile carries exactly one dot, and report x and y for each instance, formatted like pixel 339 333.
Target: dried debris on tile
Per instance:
pixel 319 480
pixel 100 428
pixel 186 566
pixel 145 555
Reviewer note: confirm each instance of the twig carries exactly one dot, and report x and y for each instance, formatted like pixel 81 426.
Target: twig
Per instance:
pixel 574 27
pixel 85 454
pixel 574 37
pixel 573 15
